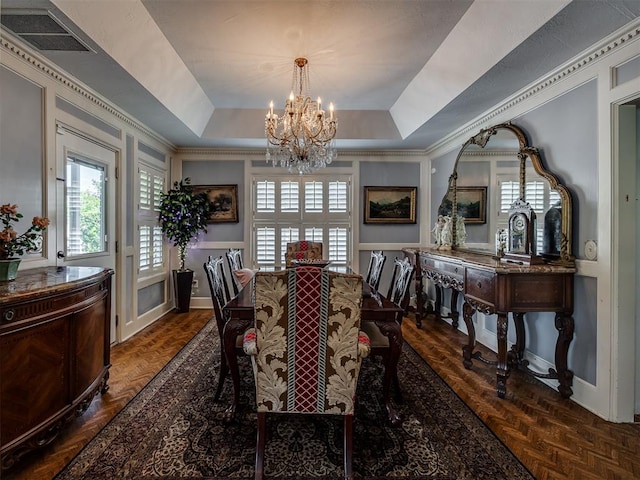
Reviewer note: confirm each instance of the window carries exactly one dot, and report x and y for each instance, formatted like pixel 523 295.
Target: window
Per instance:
pixel 151 182
pixel 287 209
pixel 86 204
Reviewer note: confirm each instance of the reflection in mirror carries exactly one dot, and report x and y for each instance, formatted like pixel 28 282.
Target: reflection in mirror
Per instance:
pixel 493 169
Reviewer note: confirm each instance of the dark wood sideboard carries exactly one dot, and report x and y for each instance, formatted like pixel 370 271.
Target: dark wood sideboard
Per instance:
pixel 54 352
pixel 491 286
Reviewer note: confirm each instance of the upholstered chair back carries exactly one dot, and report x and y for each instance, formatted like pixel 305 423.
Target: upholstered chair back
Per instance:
pixel 307 326
pixel 302 250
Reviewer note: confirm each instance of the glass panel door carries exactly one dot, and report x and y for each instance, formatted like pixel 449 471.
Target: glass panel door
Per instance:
pixel 86 207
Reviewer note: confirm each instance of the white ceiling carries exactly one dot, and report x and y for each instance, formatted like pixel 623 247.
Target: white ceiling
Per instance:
pixel 402 74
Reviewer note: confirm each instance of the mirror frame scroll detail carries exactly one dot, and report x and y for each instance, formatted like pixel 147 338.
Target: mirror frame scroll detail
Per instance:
pixel 525 151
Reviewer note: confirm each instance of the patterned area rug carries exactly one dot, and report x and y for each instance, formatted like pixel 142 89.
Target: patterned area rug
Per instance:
pixel 174 430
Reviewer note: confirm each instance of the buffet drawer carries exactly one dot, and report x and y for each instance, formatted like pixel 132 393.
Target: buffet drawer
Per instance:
pixel 451 269
pixel 480 285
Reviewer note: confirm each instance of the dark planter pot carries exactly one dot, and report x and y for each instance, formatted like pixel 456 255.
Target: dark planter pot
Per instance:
pixel 182 281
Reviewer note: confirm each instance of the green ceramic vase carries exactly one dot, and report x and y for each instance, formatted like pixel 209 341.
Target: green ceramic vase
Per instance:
pixel 9 269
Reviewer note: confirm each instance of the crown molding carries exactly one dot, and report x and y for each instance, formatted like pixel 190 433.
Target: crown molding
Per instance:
pixel 607 46
pixel 25 54
pixel 227 152
pixel 253 152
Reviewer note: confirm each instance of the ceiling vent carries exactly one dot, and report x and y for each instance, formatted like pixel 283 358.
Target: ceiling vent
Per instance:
pixel 42 30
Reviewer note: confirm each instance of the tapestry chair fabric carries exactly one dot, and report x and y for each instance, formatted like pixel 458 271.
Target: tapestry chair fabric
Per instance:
pixel 214 271
pixel 302 250
pixel 398 294
pixel 306 347
pixel 374 272
pixel 234 260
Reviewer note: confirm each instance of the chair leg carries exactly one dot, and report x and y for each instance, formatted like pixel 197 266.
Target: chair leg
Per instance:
pixel 348 446
pixel 261 441
pixel 396 387
pixel 222 374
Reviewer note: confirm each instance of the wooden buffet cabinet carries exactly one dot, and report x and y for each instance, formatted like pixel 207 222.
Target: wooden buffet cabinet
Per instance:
pixel 494 287
pixel 54 352
pixel 503 240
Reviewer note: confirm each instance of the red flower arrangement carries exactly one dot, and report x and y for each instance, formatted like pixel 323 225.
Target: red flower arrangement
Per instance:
pixel 12 244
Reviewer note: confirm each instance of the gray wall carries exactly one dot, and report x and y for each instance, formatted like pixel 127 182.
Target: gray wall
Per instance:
pixel 21 145
pixel 389 174
pixel 565 131
pixel 220 173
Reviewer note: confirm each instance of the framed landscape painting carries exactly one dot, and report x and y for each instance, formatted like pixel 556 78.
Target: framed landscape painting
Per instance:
pixel 224 202
pixel 471 204
pixel 390 204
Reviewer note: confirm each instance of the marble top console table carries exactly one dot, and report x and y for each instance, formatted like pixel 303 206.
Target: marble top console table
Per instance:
pixel 491 286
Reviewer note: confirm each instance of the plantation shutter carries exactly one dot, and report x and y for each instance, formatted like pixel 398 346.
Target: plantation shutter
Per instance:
pixel 338 196
pixel 144 178
pixel 158 257
pixel 509 193
pixel 265 245
pixel 289 197
pixel 265 196
pixel 144 247
pixel 338 243
pixel 287 209
pixel 151 184
pixel 313 197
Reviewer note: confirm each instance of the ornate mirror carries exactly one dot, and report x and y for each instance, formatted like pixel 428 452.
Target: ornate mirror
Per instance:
pixel 496 175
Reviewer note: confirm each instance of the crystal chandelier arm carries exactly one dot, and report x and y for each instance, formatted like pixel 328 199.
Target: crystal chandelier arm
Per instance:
pixel 302 139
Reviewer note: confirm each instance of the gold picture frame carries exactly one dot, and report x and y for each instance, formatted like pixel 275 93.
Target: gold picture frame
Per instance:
pixel 224 202
pixel 471 204
pixel 385 205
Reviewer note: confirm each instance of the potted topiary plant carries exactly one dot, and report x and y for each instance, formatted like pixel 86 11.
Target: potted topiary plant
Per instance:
pixel 183 214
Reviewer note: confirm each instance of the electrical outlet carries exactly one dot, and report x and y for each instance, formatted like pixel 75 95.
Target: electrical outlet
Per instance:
pixel 194 284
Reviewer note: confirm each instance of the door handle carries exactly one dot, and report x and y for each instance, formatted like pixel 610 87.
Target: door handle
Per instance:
pixel 60 254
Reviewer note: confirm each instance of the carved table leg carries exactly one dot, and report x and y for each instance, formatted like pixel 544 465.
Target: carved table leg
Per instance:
pixel 467 350
pixel 454 308
pixel 564 325
pixel 516 355
pixel 503 369
pixel 438 302
pixel 104 384
pixel 232 329
pixel 393 332
pixel 419 302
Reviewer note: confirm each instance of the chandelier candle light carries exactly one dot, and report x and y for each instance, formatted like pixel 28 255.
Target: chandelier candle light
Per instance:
pixel 302 139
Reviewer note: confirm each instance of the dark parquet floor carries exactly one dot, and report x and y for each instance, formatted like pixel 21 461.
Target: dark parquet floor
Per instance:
pixel 555 438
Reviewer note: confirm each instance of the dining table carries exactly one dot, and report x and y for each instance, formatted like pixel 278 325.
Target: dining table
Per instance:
pixel 375 308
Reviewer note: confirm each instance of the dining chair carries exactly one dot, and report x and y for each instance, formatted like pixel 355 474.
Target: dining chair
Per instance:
pixel 374 272
pixel 234 260
pixel 306 348
pixel 302 250
pixel 214 270
pixel 399 294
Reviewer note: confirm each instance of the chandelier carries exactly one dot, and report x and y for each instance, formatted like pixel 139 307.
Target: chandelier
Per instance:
pixel 302 138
